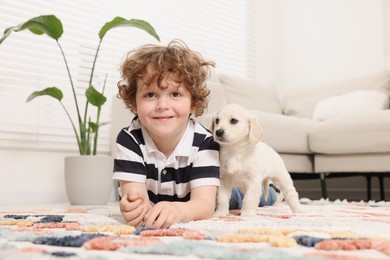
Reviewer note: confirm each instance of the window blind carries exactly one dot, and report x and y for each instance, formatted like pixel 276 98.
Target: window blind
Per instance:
pixel 220 30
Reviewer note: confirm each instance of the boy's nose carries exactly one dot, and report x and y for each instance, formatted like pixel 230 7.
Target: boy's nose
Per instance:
pixel 162 103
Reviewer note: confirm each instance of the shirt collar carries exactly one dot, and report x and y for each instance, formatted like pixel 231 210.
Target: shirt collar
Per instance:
pixel 183 148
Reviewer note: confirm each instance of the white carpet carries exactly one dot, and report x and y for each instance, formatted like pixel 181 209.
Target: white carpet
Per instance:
pixel 334 230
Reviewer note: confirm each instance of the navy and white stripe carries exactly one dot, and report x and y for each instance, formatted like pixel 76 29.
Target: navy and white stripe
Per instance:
pixel 194 163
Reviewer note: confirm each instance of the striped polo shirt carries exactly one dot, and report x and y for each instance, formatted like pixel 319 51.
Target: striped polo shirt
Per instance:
pixel 193 163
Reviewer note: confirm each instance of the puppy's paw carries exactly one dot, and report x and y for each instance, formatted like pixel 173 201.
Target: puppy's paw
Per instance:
pixel 248 213
pixel 298 211
pixel 221 213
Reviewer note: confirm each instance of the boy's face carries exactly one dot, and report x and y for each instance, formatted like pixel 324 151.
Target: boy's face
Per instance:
pixel 164 112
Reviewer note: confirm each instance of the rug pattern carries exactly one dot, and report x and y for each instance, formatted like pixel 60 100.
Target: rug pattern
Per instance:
pixel 326 230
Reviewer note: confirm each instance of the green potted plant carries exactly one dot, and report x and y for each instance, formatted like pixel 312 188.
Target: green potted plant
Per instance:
pixel 86 130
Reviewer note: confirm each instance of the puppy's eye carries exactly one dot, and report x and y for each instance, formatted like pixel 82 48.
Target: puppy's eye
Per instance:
pixel 217 121
pixel 233 121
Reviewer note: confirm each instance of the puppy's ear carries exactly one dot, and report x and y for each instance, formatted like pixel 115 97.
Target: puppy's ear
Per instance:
pixel 255 130
pixel 212 124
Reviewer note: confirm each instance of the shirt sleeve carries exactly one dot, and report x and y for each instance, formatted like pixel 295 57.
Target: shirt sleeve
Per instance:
pixel 128 161
pixel 205 168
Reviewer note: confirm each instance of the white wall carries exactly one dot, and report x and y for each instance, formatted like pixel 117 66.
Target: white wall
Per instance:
pixel 386 18
pixel 31 177
pixel 299 42
pixel 305 42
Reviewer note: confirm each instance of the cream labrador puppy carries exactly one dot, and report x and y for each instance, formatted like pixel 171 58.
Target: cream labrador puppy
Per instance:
pixel 247 163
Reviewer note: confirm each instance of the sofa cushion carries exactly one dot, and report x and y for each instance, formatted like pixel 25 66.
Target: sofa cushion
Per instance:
pixel 301 101
pixel 298 163
pixel 352 163
pixel 355 101
pixel 251 94
pixel 206 119
pixel 353 133
pixel 285 134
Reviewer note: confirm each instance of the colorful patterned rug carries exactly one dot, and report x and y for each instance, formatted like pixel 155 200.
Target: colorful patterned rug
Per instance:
pixel 326 230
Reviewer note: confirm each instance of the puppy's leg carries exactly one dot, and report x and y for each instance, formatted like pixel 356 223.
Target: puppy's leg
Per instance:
pixel 279 193
pixel 286 185
pixel 251 200
pixel 280 198
pixel 223 197
pixel 265 188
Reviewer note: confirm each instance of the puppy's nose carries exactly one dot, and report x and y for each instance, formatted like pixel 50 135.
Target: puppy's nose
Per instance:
pixel 219 132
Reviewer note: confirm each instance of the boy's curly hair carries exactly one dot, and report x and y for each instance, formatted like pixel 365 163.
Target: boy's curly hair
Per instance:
pixel 154 62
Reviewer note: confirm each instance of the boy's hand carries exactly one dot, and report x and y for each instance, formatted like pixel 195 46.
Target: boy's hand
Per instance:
pixel 133 207
pixel 163 215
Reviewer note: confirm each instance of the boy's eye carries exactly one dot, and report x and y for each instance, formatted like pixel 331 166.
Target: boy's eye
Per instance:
pixel 175 94
pixel 149 94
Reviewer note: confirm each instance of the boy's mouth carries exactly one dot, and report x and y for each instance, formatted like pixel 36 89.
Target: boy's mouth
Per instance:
pixel 162 117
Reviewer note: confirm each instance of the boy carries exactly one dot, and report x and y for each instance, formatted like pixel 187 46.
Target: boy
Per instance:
pixel 166 162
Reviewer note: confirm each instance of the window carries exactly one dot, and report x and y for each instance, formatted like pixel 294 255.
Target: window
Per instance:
pixel 218 29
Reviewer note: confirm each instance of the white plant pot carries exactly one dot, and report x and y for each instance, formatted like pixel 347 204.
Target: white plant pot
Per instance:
pixel 88 179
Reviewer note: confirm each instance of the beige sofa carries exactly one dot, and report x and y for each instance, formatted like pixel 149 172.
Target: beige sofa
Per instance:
pixel 329 130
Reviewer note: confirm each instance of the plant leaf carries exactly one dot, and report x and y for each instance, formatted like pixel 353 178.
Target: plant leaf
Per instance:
pixel 93 126
pixel 94 97
pixel 44 24
pixel 52 91
pixel 122 22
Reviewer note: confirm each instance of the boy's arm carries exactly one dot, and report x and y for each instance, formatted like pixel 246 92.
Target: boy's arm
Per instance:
pixel 134 203
pixel 200 206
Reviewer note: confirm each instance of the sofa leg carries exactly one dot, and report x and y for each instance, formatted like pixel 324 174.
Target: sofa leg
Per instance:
pixel 323 185
pixel 381 187
pixel 368 178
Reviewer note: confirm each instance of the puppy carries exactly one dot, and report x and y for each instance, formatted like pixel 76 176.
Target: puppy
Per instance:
pixel 247 163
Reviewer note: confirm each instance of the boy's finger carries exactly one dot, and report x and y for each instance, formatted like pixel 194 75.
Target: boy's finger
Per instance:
pixel 150 217
pixel 123 202
pixel 127 205
pixel 132 195
pixel 134 219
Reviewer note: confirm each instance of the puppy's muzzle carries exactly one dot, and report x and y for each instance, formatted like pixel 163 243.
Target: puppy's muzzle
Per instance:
pixel 219 133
